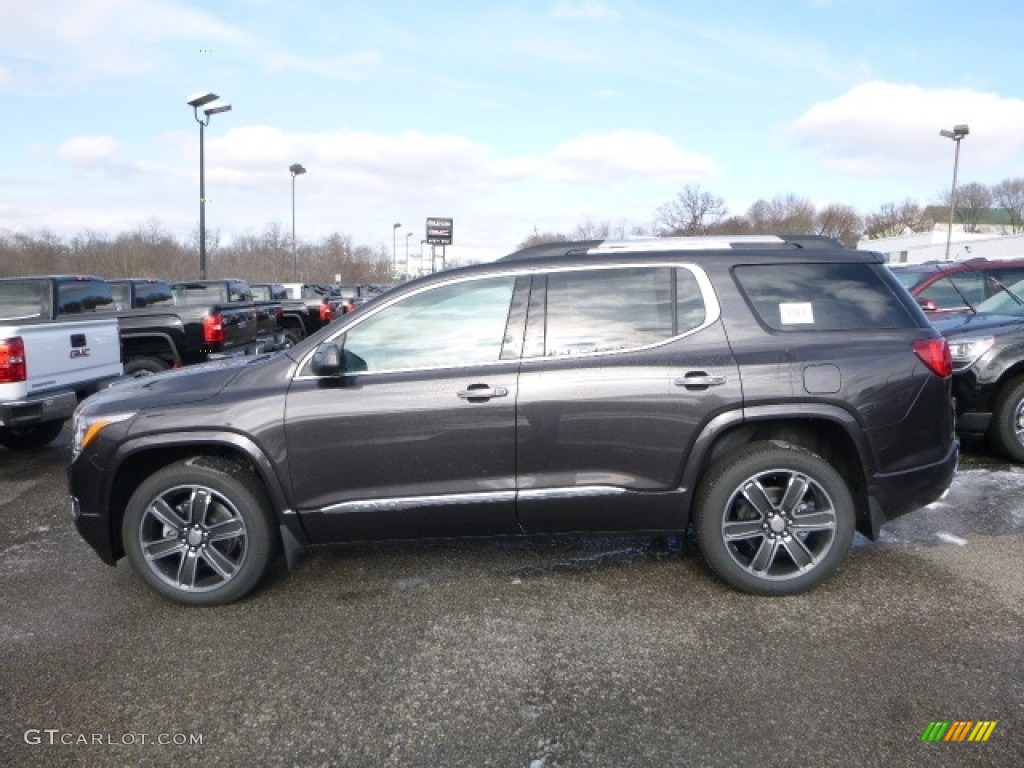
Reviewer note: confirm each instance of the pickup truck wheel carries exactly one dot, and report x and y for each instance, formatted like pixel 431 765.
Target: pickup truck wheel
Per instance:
pixel 1007 429
pixel 291 338
pixel 144 366
pixel 199 531
pixel 773 519
pixel 30 438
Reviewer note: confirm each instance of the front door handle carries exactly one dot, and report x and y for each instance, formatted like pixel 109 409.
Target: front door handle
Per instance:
pixel 480 393
pixel 699 380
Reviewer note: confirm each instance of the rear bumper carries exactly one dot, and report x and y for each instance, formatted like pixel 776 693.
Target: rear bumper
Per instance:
pixel 893 495
pixel 35 409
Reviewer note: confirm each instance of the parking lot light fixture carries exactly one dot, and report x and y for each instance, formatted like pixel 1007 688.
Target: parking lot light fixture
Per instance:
pixel 394 258
pixel 958 132
pixel 296 170
pixel 210 105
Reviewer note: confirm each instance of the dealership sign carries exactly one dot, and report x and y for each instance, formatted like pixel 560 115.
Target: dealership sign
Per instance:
pixel 439 231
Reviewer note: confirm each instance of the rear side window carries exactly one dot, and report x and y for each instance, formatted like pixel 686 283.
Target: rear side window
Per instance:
pixel 84 296
pixel 24 300
pixel 821 297
pixel 153 295
pixel 614 309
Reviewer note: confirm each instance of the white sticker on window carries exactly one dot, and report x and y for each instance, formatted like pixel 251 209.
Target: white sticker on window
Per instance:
pixel 796 313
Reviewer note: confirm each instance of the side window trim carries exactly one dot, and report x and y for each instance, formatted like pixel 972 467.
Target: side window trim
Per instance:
pixel 535 346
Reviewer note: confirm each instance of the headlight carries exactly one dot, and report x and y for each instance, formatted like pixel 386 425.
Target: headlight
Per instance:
pixel 966 351
pixel 85 427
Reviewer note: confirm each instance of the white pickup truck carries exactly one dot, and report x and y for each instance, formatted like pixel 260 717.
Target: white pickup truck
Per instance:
pixel 46 366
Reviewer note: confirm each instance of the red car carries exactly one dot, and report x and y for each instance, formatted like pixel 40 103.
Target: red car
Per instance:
pixel 952 287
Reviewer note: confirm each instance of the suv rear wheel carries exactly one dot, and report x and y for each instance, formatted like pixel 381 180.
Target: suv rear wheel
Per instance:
pixel 774 519
pixel 199 531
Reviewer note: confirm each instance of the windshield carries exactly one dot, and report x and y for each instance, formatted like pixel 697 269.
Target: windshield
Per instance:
pixel 911 276
pixel 1008 302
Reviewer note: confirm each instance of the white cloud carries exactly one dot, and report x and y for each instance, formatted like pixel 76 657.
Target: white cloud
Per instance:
pixel 434 163
pixel 353 66
pixel 878 128
pixel 87 39
pixel 584 9
pixel 89 151
pixel 621 156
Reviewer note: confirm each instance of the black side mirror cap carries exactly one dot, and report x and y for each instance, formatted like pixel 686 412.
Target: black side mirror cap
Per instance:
pixel 326 360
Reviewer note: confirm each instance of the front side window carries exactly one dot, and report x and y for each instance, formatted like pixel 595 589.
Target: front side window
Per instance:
pixel 451 325
pixel 614 309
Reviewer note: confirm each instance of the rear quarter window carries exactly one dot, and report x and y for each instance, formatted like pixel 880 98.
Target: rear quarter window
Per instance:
pixel 821 297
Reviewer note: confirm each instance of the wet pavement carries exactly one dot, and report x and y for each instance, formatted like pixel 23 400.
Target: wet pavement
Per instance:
pixel 613 651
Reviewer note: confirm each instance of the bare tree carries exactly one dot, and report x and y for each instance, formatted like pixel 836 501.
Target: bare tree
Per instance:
pixel 1009 195
pixel 841 222
pixel 973 201
pixel 893 220
pixel 783 214
pixel 693 212
pixel 539 238
pixel 734 225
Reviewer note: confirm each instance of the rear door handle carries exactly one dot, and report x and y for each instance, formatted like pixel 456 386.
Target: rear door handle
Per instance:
pixel 479 393
pixel 699 380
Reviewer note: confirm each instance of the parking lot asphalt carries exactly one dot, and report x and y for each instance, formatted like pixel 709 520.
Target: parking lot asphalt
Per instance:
pixel 612 651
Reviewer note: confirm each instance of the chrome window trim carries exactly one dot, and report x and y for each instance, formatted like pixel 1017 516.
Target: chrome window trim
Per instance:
pixel 712 314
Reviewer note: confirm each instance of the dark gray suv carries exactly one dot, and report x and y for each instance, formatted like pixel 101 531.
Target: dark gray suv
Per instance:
pixel 774 394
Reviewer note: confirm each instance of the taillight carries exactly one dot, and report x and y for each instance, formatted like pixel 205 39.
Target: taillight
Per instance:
pixel 935 354
pixel 326 313
pixel 213 329
pixel 12 360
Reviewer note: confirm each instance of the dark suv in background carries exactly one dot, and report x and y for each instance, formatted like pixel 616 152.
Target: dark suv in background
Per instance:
pixel 774 394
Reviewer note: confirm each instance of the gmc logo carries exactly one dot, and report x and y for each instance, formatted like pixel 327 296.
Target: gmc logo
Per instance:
pixel 83 352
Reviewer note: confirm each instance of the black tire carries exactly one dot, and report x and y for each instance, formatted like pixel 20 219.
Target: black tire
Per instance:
pixel 773 519
pixel 291 338
pixel 200 531
pixel 1006 432
pixel 144 366
pixel 30 438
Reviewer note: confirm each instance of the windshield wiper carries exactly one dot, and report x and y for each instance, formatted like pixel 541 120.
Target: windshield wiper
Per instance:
pixel 1000 286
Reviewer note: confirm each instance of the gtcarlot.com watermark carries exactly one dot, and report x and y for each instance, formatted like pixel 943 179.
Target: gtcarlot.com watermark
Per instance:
pixel 58 737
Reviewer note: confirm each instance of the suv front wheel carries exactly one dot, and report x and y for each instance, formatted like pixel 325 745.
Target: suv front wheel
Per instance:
pixel 774 519
pixel 199 531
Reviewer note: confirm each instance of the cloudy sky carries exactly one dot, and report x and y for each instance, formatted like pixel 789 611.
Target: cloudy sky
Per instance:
pixel 505 116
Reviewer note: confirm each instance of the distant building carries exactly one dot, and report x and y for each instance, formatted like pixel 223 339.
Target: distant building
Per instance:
pixel 991 237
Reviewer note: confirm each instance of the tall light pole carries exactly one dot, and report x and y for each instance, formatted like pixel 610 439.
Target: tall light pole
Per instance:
pixel 407 236
pixel 296 170
pixel 958 132
pixel 394 258
pixel 210 104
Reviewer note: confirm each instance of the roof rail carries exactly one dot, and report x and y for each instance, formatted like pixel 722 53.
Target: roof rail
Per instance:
pixel 682 243
pixel 712 243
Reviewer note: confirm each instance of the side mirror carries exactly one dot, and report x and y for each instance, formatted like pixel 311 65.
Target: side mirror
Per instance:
pixel 928 305
pixel 326 360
